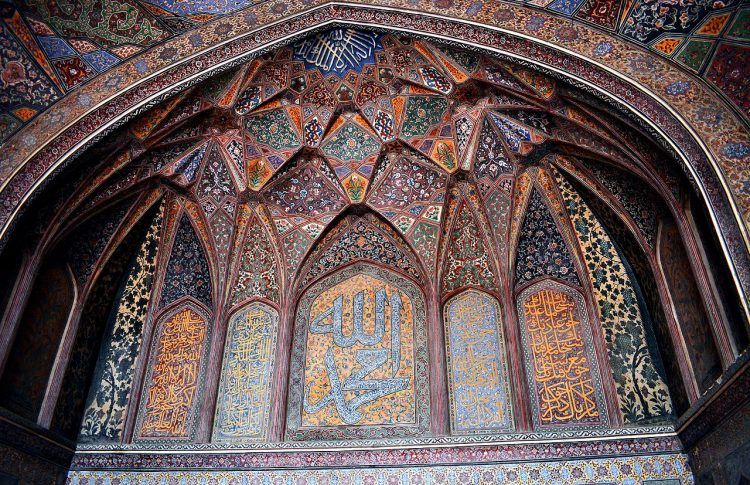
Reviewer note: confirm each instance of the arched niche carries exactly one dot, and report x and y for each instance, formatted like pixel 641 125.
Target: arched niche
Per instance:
pixel 170 403
pixel 562 371
pixel 244 399
pixel 359 358
pixel 31 359
pixel 478 379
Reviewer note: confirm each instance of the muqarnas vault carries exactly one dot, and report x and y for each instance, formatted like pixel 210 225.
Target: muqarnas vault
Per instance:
pixel 364 241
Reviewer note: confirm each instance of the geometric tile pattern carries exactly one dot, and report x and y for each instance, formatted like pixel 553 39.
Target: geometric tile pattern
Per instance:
pixel 648 469
pixel 411 195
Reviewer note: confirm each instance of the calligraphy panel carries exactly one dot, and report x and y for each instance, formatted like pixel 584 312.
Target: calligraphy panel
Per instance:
pixel 560 363
pixel 477 369
pixel 359 367
pixel 244 391
pixel 171 398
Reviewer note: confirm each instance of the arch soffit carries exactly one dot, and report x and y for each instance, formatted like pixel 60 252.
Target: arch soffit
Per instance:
pixel 709 157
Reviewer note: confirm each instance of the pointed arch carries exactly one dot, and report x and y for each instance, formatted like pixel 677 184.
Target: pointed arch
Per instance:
pixel 559 356
pixel 244 399
pixel 64 405
pixel 107 404
pixel 187 271
pixel 466 257
pixel 256 272
pixel 411 195
pixel 356 238
pixel 541 249
pixel 33 350
pixel 171 399
pixel 478 375
pixel 301 202
pixel 393 365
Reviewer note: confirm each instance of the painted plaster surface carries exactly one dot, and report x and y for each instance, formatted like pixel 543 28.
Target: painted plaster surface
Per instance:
pixel 672 469
pixel 727 144
pixel 369 325
pixel 560 363
pixel 642 392
pixel 478 371
pixel 245 390
pixel 358 362
pixel 171 401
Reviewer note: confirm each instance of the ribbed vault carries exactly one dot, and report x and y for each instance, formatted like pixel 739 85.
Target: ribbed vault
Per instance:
pixel 527 262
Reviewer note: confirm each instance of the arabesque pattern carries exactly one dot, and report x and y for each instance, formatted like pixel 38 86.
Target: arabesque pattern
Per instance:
pixel 365 243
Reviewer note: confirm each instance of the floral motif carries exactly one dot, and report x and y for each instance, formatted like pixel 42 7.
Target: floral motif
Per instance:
pixel 258 272
pixel 467 262
pixel 187 272
pixel 642 393
pixel 541 248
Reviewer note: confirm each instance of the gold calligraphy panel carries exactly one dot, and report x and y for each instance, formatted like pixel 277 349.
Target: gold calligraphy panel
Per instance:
pixel 172 386
pixel 360 357
pixel 560 362
pixel 244 391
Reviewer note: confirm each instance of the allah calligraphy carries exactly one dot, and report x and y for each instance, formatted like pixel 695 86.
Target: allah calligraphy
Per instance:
pixel 560 363
pixel 359 361
pixel 338 50
pixel 244 391
pixel 478 374
pixel 174 378
pixel 361 328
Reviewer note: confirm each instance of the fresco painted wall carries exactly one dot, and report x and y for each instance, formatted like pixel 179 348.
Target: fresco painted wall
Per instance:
pixel 171 399
pixel 244 399
pixel 359 365
pixel 561 367
pixel 480 396
pixel 110 396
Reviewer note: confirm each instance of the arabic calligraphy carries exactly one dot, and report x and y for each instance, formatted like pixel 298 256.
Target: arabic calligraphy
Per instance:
pixel 359 365
pixel 244 399
pixel 561 361
pixel 480 393
pixel 338 50
pixel 174 376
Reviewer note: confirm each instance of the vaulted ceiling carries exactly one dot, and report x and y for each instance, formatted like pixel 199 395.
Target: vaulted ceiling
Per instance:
pixel 50 49
pixel 73 71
